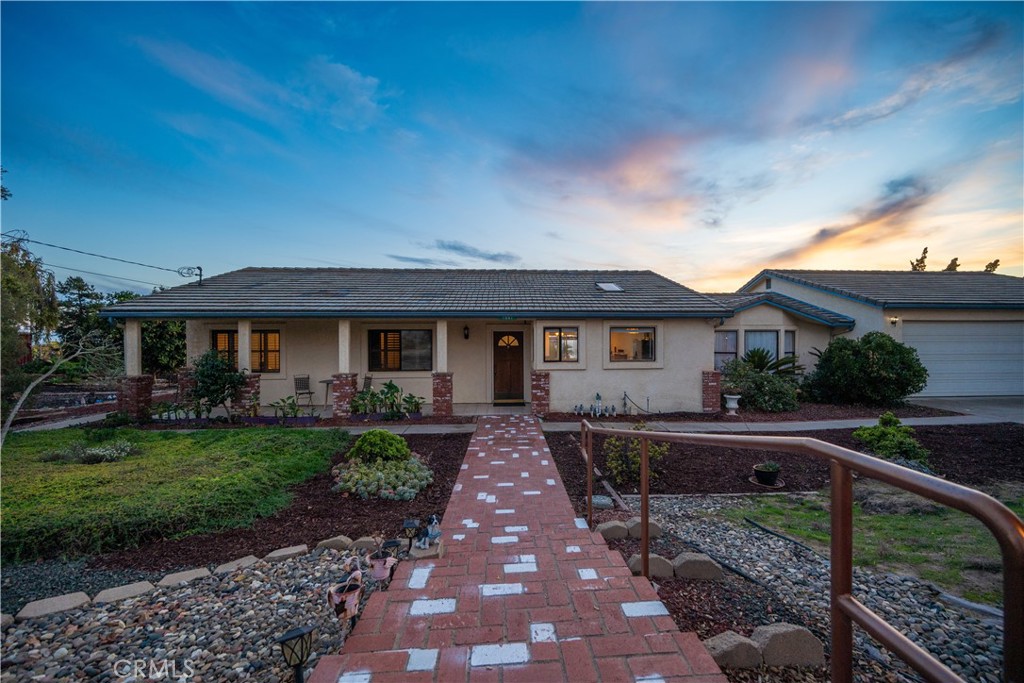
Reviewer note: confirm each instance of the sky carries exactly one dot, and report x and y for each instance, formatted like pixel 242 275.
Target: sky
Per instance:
pixel 704 141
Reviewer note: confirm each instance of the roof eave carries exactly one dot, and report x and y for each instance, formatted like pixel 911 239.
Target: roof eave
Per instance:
pixel 618 315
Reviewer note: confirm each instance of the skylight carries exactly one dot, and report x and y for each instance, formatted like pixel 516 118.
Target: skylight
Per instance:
pixel 609 287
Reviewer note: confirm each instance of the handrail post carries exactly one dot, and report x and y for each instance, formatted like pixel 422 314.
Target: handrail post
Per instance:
pixel 1013 619
pixel 588 444
pixel 842 572
pixel 645 539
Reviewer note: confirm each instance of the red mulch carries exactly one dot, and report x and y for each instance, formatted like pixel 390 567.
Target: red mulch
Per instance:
pixel 806 412
pixel 314 514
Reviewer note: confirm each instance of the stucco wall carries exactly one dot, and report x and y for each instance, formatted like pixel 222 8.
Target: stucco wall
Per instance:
pixel 764 317
pixel 867 317
pixel 943 315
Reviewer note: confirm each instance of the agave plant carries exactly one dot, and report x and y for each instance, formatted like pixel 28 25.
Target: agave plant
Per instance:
pixel 761 360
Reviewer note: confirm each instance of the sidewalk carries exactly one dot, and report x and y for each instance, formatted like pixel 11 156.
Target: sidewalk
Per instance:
pixel 524 591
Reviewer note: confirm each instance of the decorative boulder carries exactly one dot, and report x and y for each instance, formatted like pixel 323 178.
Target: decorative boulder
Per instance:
pixel 733 651
pixel 340 542
pixel 636 528
pixel 656 564
pixel 603 502
pixel 696 566
pixel 363 543
pixel 613 529
pixel 788 645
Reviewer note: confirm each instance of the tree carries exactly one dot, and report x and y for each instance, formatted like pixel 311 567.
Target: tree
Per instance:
pixel 952 266
pixel 919 264
pixel 79 306
pixel 5 194
pixel 991 266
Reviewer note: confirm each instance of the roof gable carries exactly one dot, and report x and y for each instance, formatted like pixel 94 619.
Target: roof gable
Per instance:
pixel 822 316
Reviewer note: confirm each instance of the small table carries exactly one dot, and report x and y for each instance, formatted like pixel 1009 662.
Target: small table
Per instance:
pixel 327 387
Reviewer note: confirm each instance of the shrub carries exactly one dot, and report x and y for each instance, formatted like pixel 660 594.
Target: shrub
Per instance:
pixel 380 444
pixel 394 480
pixel 79 453
pixel 873 370
pixel 893 441
pixel 623 457
pixel 760 390
pixel 216 382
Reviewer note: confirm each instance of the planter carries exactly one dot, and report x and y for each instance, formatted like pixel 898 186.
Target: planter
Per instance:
pixel 260 420
pixel 381 563
pixel 732 403
pixel 418 415
pixel 301 421
pixel 766 477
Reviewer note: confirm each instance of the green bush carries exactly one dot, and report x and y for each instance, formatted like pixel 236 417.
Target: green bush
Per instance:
pixel 80 454
pixel 380 444
pixel 893 441
pixel 216 382
pixel 758 389
pixel 623 457
pixel 873 370
pixel 395 480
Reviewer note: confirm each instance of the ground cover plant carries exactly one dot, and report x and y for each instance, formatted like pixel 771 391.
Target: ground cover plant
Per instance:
pixel 175 485
pixel 382 465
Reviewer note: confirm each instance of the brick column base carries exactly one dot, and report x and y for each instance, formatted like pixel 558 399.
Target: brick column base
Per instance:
pixel 540 392
pixel 442 400
pixel 711 385
pixel 135 397
pixel 344 387
pixel 186 383
pixel 247 402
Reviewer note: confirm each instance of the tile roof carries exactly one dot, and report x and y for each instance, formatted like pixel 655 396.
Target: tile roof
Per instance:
pixel 366 292
pixel 909 289
pixel 740 302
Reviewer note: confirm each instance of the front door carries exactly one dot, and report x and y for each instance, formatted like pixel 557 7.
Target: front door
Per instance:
pixel 508 367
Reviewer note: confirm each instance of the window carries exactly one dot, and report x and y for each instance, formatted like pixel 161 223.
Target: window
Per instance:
pixel 401 350
pixel 631 343
pixel 726 347
pixel 762 339
pixel 561 344
pixel 264 349
pixel 789 342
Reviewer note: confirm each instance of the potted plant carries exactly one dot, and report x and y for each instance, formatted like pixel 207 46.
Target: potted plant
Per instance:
pixel 346 595
pixel 731 394
pixel 767 473
pixel 413 406
pixel 383 560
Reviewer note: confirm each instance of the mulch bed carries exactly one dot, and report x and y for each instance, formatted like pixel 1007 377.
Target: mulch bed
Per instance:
pixel 314 514
pixel 806 412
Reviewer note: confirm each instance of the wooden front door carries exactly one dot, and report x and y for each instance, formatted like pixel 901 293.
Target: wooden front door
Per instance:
pixel 508 367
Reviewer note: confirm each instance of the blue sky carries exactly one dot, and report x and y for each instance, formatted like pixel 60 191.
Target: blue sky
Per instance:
pixel 703 141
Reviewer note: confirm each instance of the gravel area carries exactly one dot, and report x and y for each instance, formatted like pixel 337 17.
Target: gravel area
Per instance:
pixel 969 644
pixel 219 628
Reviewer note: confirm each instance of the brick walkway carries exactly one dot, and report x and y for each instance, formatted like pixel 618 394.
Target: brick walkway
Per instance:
pixel 524 592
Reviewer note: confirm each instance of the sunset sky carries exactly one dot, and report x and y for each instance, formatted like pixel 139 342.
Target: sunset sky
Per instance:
pixel 703 141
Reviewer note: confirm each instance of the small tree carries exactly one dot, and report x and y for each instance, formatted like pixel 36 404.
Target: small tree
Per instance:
pixel 991 266
pixel 952 266
pixel 623 457
pixel 919 264
pixel 873 370
pixel 216 382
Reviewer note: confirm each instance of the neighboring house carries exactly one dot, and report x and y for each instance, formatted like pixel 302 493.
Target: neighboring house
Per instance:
pixel 552 338
pixel 967 327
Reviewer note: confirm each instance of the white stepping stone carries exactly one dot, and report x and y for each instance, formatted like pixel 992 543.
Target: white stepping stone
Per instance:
pixel 508 511
pixel 514 529
pixel 515 455
pixel 497 462
pixel 531 493
pixel 495 655
pixel 491 499
pixel 543 462
pixel 464 466
pixel 422 660
pixel 650 678
pixel 534 453
pixel 524 558
pixel 459 537
pixel 481 496
pixel 542 633
pixel 481 476
pixel 468 523
pixel 506 483
pixel 647 608
pixel 581 523
pixel 550 482
pixel 572 549
pixel 488 590
pixel 587 574
pixel 500 540
pixel 520 567
pixel 355 677
pixel 524 475
pixel 419 576
pixel 458 487
pixel 421 608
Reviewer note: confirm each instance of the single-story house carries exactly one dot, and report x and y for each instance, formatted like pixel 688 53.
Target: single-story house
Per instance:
pixel 967 327
pixel 552 339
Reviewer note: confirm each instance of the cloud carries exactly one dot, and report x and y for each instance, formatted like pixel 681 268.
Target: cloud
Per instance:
pixel 469 251
pixel 886 217
pixel 424 262
pixel 351 99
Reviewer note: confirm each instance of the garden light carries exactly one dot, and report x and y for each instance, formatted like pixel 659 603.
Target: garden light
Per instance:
pixel 296 646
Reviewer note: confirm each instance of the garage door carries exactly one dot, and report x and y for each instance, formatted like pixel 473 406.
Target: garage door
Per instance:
pixel 970 359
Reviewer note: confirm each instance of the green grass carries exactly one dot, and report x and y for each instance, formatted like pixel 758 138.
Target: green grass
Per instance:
pixel 180 484
pixel 946 547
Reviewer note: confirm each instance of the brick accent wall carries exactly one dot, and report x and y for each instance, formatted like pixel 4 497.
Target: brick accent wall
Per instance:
pixel 540 392
pixel 711 385
pixel 186 383
pixel 344 387
pixel 135 397
pixel 442 400
pixel 247 402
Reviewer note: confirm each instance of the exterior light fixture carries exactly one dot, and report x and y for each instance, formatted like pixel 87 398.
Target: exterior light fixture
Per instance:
pixel 410 528
pixel 893 320
pixel 296 646
pixel 465 331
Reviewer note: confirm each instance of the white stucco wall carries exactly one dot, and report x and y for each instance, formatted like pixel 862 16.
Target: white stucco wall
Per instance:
pixel 867 317
pixel 764 317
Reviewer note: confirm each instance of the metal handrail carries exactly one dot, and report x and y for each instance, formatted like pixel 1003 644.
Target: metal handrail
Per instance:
pixel 845 609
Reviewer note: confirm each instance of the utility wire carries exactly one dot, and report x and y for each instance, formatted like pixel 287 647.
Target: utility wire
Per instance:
pixel 87 253
pixel 116 277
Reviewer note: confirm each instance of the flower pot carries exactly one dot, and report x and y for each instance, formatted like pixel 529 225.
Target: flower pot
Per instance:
pixel 766 477
pixel 381 563
pixel 732 403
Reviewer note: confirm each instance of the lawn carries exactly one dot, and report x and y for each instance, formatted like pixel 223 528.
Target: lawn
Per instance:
pixel 178 484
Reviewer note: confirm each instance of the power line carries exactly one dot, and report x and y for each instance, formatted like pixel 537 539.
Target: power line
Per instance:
pixel 116 277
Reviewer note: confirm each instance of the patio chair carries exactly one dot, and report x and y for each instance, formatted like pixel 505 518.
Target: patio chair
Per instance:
pixel 303 390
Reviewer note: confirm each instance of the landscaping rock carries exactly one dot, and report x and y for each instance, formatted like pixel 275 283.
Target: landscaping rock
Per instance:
pixel 121 592
pixel 656 564
pixel 5 621
pixel 339 542
pixel 788 645
pixel 60 603
pixel 235 565
pixel 603 503
pixel 363 543
pixel 184 577
pixel 636 529
pixel 733 651
pixel 287 553
pixel 696 566
pixel 613 529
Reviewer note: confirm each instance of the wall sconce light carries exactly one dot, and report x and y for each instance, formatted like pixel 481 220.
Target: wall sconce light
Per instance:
pixel 296 646
pixel 893 320
pixel 465 331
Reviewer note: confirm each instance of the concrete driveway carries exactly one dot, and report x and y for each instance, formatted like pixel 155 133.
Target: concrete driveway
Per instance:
pixel 1001 408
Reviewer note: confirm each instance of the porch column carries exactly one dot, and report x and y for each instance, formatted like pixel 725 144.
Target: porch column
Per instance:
pixel 344 346
pixel 711 394
pixel 244 344
pixel 441 400
pixel 441 345
pixel 132 347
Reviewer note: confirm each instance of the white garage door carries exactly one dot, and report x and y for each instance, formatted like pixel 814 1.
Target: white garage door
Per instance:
pixel 970 359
